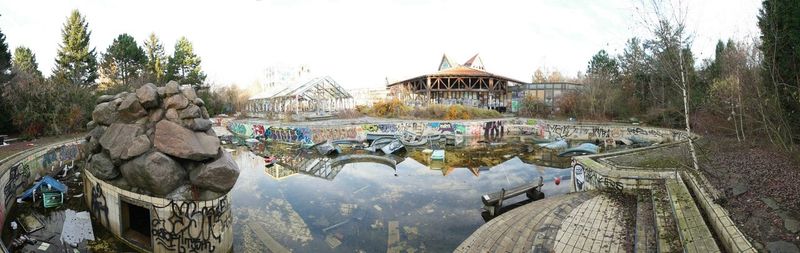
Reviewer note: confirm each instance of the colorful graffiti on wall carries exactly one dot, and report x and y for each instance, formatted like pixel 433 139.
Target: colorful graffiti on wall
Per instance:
pixel 60 154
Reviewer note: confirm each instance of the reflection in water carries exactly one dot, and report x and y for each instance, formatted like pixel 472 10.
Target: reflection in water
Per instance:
pixel 361 202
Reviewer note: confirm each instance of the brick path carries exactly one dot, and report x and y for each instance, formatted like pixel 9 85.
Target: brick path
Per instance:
pixel 576 222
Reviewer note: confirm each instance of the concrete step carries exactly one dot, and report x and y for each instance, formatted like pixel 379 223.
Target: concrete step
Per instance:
pixel 645 237
pixel 694 233
pixel 666 228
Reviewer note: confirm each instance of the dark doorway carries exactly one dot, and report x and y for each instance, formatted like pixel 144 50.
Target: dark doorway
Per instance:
pixel 136 225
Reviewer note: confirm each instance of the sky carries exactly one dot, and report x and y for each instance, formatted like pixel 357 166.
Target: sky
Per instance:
pixel 362 43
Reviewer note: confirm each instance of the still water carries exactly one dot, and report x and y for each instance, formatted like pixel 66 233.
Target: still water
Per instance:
pixel 371 205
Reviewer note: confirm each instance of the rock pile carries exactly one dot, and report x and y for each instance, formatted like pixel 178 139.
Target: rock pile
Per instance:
pixel 158 141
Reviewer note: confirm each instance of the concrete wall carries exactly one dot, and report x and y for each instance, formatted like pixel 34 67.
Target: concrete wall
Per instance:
pixel 310 134
pixel 19 171
pixel 176 226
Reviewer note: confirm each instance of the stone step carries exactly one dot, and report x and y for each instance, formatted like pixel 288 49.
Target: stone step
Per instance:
pixel 668 239
pixel 694 233
pixel 645 236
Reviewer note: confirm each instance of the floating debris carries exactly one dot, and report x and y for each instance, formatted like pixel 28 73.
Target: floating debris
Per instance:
pixel 377 207
pixel 360 189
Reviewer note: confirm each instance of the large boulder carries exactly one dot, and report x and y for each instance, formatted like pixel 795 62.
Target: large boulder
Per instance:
pixel 219 175
pixel 139 145
pixel 100 166
pixel 172 139
pixel 189 93
pixel 119 138
pixel 105 113
pixel 148 95
pixel 154 172
pixel 172 88
pixel 198 124
pixel 191 112
pixel 130 109
pixel 176 101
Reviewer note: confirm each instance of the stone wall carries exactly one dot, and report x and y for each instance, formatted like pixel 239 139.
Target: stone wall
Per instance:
pixel 176 226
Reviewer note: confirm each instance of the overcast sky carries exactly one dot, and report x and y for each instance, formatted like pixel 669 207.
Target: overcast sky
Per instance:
pixel 360 43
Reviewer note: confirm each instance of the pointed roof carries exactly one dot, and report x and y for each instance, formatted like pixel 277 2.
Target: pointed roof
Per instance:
pixel 446 63
pixel 474 62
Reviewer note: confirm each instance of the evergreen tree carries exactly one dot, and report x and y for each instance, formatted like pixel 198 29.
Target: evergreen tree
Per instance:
pixel 184 65
pixel 5 60
pixel 156 59
pixel 603 65
pixel 124 60
pixel 5 77
pixel 779 21
pixel 25 61
pixel 75 62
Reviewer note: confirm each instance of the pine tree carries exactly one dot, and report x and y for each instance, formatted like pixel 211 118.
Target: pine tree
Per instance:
pixel 25 61
pixel 184 65
pixel 780 36
pixel 156 59
pixel 126 58
pixel 5 60
pixel 75 62
pixel 5 76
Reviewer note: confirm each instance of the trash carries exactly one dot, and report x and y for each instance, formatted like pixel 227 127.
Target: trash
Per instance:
pixel 21 240
pixel 332 241
pixel 78 196
pixel 77 227
pixel 44 246
pixel 378 208
pixel 438 155
pixel 30 223
pixel 51 189
pixel 392 147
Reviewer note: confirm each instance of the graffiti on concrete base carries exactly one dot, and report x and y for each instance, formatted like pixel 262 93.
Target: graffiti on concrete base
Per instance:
pixel 189 227
pixel 585 176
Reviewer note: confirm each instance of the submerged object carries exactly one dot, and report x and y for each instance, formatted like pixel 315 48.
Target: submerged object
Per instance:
pixel 557 180
pixel 437 155
pixel 392 147
pixel 559 144
pixel 327 148
pixel 270 160
pixel 583 149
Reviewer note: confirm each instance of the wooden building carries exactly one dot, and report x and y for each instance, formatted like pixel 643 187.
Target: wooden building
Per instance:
pixel 465 84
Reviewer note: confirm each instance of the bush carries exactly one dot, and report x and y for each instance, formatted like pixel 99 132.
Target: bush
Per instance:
pixel 394 108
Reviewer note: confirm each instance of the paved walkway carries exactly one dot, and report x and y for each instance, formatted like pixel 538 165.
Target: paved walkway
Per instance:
pixel 577 222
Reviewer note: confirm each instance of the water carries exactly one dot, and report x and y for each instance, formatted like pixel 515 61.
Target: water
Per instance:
pixel 371 206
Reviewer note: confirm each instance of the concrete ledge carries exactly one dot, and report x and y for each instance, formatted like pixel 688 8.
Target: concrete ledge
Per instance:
pixel 731 238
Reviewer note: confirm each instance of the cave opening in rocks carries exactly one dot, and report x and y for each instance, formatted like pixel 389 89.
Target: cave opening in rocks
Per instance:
pixel 136 225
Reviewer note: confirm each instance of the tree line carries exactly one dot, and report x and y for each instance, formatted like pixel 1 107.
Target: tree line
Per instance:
pixel 749 88
pixel 35 105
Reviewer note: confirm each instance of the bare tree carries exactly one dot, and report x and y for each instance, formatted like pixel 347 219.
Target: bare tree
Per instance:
pixel 667 21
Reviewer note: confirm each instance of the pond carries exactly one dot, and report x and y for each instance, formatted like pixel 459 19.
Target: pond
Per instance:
pixel 309 203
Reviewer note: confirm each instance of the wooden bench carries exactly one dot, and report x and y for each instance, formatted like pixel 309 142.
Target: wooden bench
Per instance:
pixel 492 202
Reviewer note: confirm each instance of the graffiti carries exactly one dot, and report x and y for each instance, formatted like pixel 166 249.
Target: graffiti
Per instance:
pixel 287 134
pixel 17 177
pixel 560 131
pixel 240 129
pixel 599 133
pixel 191 228
pixel 641 131
pixel 99 205
pixel 580 180
pixel 335 134
pixel 369 128
pixel 258 130
pixel 387 128
pixel 601 182
pixel 59 154
pixel 444 128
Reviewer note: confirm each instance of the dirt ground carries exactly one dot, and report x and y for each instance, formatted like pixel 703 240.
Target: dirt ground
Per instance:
pixel 760 184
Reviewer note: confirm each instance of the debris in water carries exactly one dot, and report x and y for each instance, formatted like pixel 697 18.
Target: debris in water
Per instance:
pixel 77 227
pixel 332 241
pixel 378 208
pixel 30 223
pixel 360 189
